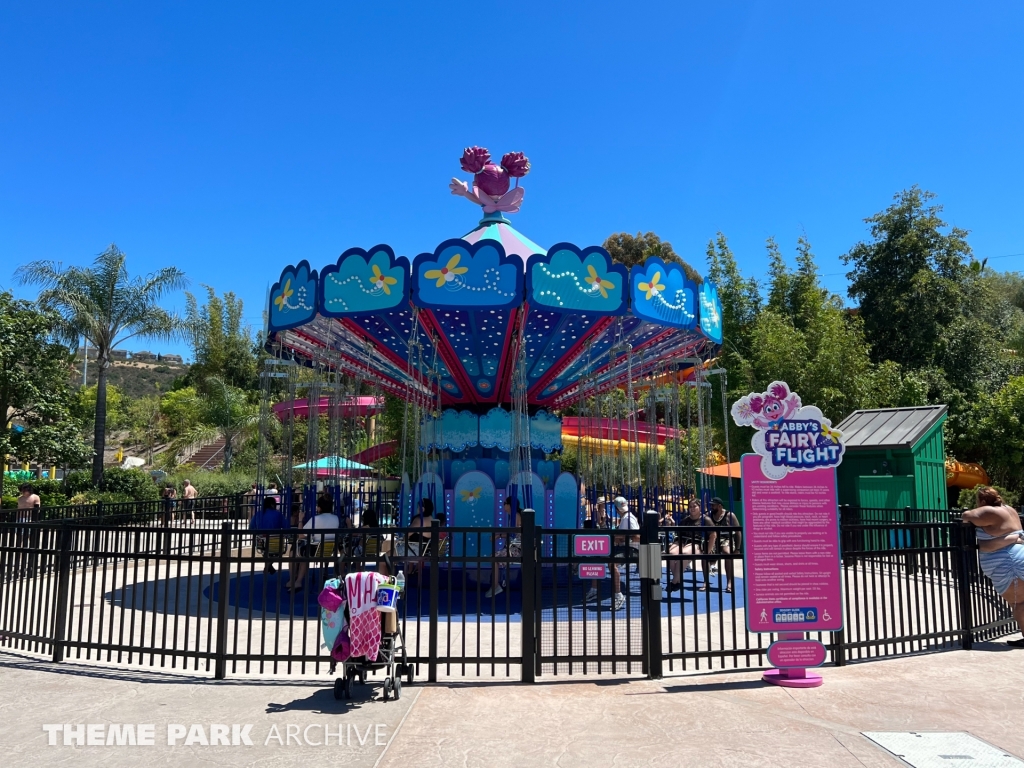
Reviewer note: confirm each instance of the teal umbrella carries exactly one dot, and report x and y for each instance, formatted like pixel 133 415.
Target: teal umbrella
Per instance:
pixel 333 462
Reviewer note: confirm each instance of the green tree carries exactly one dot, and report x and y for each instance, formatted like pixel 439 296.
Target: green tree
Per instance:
pixel 115 408
pixel 144 422
pixel 35 388
pixel 778 351
pixel 797 294
pixel 223 412
pixel 632 250
pixel 1000 434
pixel 909 279
pixel 107 307
pixel 223 346
pixel 740 296
pixel 180 409
pixel 887 385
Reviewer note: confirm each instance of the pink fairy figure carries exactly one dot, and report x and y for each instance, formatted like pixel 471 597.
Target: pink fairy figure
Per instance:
pixel 490 181
pixel 774 406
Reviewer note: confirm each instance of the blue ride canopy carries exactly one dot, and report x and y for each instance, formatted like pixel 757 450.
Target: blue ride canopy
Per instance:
pixel 579 308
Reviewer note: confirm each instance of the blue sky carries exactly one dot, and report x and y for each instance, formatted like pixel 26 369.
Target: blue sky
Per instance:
pixel 232 140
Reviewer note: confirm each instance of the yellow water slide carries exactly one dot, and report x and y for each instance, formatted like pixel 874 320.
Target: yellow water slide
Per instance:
pixel 963 475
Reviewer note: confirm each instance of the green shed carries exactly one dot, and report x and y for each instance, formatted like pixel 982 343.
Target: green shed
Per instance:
pixel 895 458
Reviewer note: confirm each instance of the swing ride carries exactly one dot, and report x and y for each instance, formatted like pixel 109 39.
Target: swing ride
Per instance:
pixel 509 360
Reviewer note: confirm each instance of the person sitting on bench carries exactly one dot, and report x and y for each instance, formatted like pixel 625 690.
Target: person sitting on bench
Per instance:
pixel 269 519
pixel 307 544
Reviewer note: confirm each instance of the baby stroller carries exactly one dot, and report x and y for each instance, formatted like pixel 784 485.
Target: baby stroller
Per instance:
pixel 391 652
pixel 391 658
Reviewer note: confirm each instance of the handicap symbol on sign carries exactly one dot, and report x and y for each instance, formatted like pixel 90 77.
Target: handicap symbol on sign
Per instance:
pixel 825 616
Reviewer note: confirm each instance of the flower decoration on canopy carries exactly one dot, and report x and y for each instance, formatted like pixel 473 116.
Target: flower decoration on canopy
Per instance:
pixel 448 272
pixel 286 293
pixel 652 288
pixel 598 283
pixel 491 182
pixel 380 281
pixel 471 495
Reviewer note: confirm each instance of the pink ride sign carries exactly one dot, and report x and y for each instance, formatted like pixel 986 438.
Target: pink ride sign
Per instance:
pixel 593 571
pixel 791 529
pixel 791 560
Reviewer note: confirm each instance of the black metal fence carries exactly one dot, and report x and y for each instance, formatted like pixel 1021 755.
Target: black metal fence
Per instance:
pixel 478 602
pixel 203 509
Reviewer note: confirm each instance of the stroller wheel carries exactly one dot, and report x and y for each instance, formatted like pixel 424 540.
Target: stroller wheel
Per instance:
pixel 398 688
pixel 387 688
pixel 339 689
pixel 410 674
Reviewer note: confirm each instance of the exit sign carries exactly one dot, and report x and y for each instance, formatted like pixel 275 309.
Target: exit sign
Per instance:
pixel 592 545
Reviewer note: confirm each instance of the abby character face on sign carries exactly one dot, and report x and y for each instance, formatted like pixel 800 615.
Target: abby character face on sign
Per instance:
pixel 771 408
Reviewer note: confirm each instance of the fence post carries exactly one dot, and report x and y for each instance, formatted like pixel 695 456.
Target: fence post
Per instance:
pixel 435 586
pixel 650 604
pixel 528 573
pixel 962 539
pixel 839 644
pixel 60 618
pixel 222 601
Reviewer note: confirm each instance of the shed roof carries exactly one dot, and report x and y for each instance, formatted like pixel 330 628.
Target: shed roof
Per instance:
pixel 889 427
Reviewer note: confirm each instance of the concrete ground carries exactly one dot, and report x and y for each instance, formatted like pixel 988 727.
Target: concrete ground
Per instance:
pixel 697 719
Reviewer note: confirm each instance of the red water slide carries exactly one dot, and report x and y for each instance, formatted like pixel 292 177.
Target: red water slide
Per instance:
pixel 348 407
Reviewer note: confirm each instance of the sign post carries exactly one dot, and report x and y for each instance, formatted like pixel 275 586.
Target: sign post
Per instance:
pixel 791 533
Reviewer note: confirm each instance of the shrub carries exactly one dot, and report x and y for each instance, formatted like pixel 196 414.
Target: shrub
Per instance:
pixel 9 502
pixel 212 483
pixel 136 484
pixel 107 497
pixel 77 482
pixel 967 499
pixel 52 499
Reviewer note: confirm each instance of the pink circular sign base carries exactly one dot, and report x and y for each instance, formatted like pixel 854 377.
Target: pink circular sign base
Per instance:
pixel 787 679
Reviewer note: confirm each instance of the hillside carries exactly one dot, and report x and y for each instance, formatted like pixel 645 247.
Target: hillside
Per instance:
pixel 136 379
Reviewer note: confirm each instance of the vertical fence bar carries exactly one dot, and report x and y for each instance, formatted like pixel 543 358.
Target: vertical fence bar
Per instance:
pixel 962 540
pixel 220 670
pixel 61 609
pixel 528 577
pixel 435 586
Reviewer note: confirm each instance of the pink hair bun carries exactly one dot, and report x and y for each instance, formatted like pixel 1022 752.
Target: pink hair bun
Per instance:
pixel 474 159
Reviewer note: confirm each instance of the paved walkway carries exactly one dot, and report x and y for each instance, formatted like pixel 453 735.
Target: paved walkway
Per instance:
pixel 698 719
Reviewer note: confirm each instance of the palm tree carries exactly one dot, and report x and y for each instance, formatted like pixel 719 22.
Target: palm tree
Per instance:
pixel 221 411
pixel 105 306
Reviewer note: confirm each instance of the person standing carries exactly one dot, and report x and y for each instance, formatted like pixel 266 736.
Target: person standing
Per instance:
pixel 512 546
pixel 697 537
pixel 250 500
pixel 27 503
pixel 190 493
pixel 626 547
pixel 1001 550
pixel 728 542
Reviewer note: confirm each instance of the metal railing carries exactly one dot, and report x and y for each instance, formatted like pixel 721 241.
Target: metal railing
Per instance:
pixel 212 597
